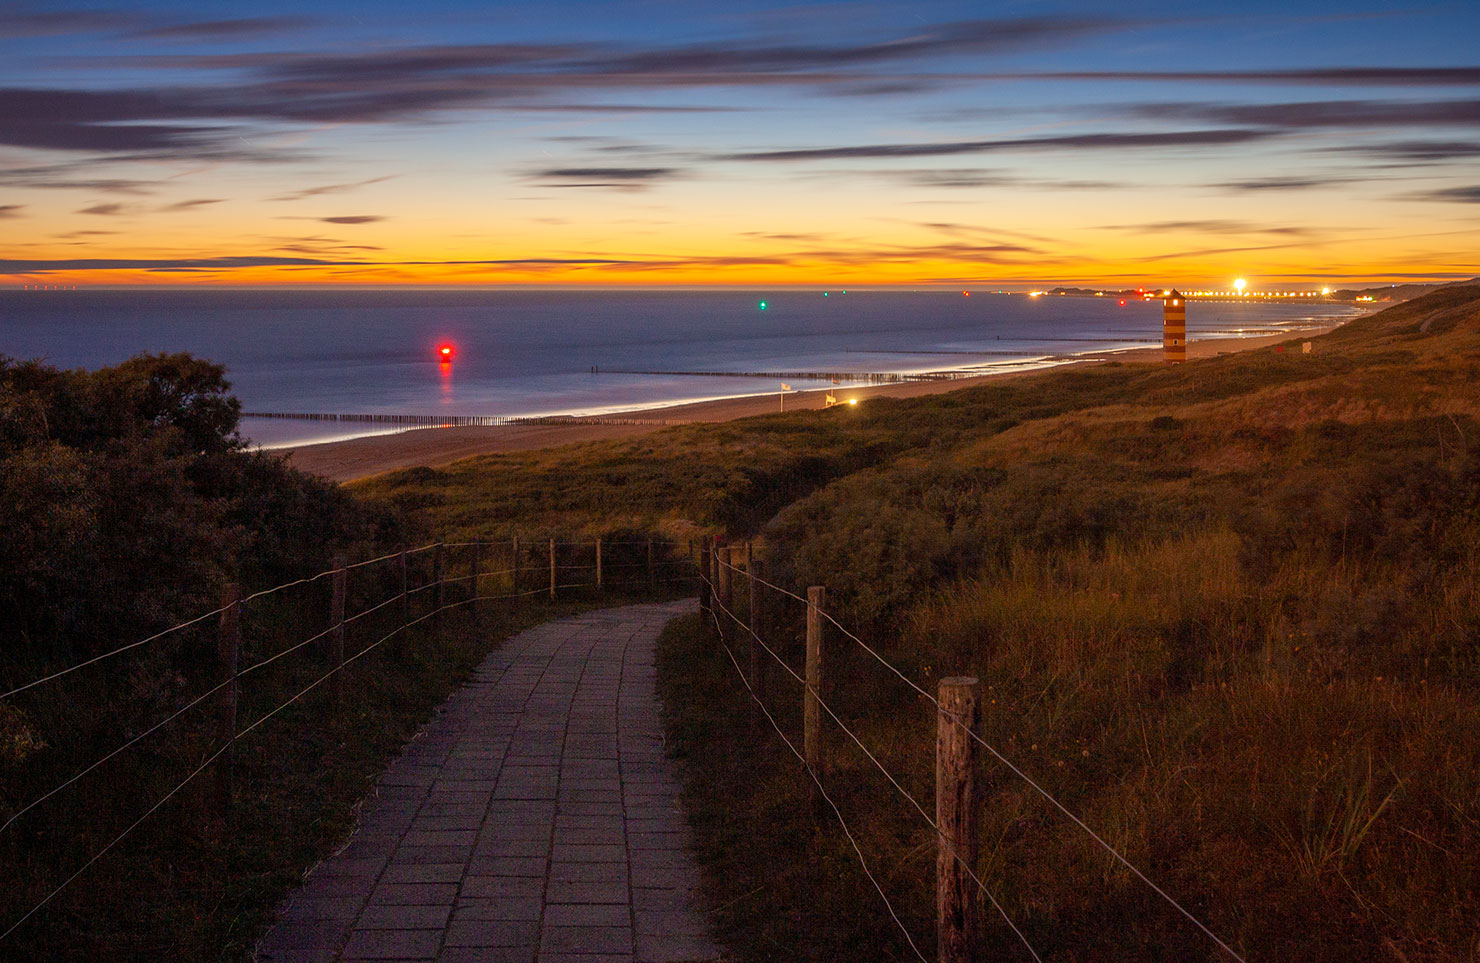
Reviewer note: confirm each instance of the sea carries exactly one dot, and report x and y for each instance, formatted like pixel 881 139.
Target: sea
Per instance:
pixel 523 353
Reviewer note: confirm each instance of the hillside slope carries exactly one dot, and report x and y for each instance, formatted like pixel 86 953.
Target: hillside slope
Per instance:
pixel 1229 612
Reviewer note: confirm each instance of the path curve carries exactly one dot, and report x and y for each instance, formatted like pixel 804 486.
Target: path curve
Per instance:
pixel 536 819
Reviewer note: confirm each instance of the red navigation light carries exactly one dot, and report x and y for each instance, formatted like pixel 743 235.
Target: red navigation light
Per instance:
pixel 445 353
pixel 1122 302
pixel 966 294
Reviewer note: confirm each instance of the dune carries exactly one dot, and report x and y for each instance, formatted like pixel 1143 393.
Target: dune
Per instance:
pixel 356 458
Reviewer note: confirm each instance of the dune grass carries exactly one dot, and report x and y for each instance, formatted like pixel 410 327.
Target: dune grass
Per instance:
pixel 1227 612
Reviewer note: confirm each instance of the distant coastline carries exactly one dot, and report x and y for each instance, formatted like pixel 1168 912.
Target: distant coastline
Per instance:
pixel 359 457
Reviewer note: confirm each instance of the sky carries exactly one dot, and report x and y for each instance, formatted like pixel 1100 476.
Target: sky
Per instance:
pixel 656 142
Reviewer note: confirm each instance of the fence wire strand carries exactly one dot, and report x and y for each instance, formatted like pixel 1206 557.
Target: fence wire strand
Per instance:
pixel 862 862
pixel 956 720
pixel 929 821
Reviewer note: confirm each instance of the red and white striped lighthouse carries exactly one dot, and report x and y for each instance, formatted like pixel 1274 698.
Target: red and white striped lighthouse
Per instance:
pixel 1174 328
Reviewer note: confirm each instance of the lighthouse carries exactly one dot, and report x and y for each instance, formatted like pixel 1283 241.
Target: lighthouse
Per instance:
pixel 1174 328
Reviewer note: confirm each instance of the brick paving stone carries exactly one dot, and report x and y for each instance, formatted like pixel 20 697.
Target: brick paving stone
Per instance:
pixel 535 820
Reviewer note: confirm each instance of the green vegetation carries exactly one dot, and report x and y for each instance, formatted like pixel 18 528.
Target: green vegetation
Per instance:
pixel 133 505
pixel 1228 612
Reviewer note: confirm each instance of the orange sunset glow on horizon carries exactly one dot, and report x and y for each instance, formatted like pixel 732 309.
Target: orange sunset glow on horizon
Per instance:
pixel 940 150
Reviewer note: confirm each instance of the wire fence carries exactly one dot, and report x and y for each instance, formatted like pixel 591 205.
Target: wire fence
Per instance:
pixel 529 570
pixel 720 576
pixel 385 582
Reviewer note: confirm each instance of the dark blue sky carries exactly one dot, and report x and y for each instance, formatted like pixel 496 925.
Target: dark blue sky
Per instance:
pixel 584 142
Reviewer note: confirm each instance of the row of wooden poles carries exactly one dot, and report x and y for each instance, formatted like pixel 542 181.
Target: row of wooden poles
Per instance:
pixel 957 717
pixel 229 637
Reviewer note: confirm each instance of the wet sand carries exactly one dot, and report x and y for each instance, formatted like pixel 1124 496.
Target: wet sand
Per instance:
pixel 355 458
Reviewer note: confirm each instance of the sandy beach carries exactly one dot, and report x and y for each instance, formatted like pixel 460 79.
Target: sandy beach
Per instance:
pixel 355 458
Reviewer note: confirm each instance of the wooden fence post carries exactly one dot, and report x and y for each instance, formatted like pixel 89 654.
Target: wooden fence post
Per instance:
pixel 477 552
pixel 552 569
pixel 598 564
pixel 336 615
pixel 228 653
pixel 812 701
pixel 405 595
pixel 652 575
pixel 955 815
pixel 726 583
pixel 438 592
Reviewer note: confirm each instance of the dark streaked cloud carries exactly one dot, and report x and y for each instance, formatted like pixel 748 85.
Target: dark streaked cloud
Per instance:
pixel 963 37
pixel 322 189
pixel 1325 76
pixel 1314 114
pixel 1421 151
pixel 190 205
pixel 408 83
pixel 1185 138
pixel 1291 183
pixel 224 29
pixel 104 210
pixel 15 22
pixel 11 210
pixel 1208 226
pixel 352 219
pixel 970 178
pixel 620 178
pixel 1463 195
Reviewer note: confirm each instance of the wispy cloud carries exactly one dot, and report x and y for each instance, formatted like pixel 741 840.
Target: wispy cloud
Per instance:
pixel 1315 114
pixel 1094 141
pixel 322 189
pixel 409 83
pixel 1325 76
pixel 1290 183
pixel 104 210
pixel 11 210
pixel 18 22
pixel 224 29
pixel 190 205
pixel 352 219
pixel 1208 226
pixel 1462 195
pixel 1417 151
pixel 619 178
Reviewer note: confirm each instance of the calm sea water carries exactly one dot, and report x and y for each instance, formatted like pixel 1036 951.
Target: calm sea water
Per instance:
pixel 523 353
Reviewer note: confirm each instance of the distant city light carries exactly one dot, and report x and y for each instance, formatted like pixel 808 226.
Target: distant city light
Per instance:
pixel 852 401
pixel 1325 290
pixel 1239 284
pixel 445 352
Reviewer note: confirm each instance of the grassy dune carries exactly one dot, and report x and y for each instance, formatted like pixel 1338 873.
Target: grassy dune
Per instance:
pixel 1227 612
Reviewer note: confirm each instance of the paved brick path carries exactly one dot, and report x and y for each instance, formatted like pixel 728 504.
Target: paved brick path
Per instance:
pixel 535 820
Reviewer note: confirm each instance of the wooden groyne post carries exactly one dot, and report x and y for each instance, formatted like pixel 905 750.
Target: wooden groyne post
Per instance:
pixel 552 570
pixel 598 564
pixel 955 816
